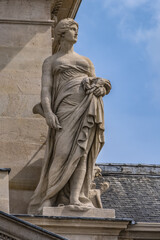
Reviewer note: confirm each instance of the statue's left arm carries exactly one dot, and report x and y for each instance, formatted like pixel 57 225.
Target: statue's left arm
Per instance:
pixel 104 85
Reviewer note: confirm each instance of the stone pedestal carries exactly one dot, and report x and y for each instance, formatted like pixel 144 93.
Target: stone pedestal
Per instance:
pixel 68 211
pixel 4 189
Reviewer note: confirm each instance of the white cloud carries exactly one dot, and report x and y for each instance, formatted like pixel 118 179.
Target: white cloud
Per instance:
pixel 129 25
pixel 133 3
pixel 120 6
pixel 139 22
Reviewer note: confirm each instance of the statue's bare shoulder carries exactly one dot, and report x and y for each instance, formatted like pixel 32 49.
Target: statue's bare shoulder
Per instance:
pixel 47 78
pixel 84 58
pixel 49 61
pixel 92 69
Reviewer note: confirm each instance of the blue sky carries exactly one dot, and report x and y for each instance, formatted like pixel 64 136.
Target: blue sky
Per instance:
pixel 122 38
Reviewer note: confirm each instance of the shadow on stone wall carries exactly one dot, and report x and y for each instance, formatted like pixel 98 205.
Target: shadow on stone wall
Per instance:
pixel 16 37
pixel 23 185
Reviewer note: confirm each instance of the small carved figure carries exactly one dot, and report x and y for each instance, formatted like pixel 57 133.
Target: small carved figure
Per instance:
pixel 95 193
pixel 71 102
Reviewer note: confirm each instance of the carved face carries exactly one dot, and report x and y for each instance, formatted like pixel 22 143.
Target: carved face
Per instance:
pixel 71 34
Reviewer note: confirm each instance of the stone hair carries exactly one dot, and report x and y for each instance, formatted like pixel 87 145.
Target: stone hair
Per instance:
pixel 62 27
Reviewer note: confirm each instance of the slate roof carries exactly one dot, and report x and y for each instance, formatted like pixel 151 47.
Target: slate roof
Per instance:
pixel 134 191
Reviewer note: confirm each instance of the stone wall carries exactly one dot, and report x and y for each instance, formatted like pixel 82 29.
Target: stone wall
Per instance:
pixel 25 42
pixel 4 189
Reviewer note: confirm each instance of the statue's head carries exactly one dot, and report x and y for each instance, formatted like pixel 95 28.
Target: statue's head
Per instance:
pixel 64 26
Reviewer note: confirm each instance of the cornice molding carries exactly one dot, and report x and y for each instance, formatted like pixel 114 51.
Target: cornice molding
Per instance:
pixel 141 230
pixel 27 22
pixel 74 9
pixel 56 7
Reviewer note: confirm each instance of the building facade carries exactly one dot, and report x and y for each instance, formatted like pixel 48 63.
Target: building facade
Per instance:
pixel 26 39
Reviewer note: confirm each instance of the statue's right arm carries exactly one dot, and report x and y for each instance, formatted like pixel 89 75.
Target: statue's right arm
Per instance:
pixel 46 86
pixel 47 81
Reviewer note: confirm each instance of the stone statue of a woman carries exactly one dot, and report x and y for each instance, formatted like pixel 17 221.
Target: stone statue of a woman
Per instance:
pixel 71 102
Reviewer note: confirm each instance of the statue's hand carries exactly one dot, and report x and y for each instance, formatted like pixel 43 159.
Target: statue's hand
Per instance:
pixel 99 91
pixel 52 121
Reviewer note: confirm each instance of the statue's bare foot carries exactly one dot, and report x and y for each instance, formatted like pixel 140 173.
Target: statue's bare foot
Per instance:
pixel 78 206
pixel 76 202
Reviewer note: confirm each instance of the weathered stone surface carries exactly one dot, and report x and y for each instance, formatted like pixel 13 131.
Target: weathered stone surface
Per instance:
pixel 4 190
pixel 27 130
pixel 141 230
pixel 13 228
pixel 11 82
pixel 4 204
pixel 71 102
pixel 36 37
pixel 17 105
pixel 78 211
pixel 19 155
pixel 79 228
pixel 29 10
pixel 22 197
pixel 23 47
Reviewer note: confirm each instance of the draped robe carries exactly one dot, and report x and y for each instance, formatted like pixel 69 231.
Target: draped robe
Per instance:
pixel 82 119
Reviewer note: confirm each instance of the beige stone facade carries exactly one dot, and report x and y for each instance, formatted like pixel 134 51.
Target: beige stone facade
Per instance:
pixel 4 189
pixel 25 42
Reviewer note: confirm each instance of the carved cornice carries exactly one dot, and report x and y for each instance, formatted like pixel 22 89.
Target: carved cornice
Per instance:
pixel 55 8
pixel 101 227
pixel 74 8
pixel 27 22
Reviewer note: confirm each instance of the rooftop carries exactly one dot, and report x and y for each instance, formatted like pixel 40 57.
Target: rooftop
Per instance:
pixel 134 191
